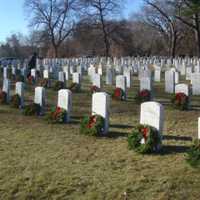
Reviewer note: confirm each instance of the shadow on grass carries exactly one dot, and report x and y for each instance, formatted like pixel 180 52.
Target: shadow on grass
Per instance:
pixel 115 135
pixel 174 137
pixel 194 108
pixel 77 117
pixel 120 126
pixel 173 149
pixel 163 102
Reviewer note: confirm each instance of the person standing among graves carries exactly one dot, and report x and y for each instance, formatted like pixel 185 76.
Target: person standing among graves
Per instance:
pixel 32 63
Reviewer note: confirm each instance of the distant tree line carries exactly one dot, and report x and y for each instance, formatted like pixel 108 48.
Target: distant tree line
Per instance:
pixel 73 28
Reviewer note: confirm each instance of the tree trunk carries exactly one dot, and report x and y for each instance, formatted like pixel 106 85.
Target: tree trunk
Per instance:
pixel 55 47
pixel 197 33
pixel 173 45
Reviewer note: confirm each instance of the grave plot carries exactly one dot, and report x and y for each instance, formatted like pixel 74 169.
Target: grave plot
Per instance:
pixel 44 159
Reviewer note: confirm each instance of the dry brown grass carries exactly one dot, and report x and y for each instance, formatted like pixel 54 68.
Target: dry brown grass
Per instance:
pixel 44 161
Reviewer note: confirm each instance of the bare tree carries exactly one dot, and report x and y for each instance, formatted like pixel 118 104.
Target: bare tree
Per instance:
pixel 161 16
pixel 100 12
pixel 56 17
pixel 188 12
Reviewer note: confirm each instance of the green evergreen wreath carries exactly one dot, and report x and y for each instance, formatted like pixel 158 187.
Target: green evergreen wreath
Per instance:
pixel 92 125
pixel 57 115
pixel 144 139
pixel 193 155
pixel 180 101
pixel 143 96
pixel 118 94
pixel 32 109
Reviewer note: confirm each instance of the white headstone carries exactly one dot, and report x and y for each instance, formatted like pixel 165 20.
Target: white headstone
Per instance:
pixel 96 80
pixel 195 80
pixel 157 74
pixel 46 74
pixel 40 97
pixel 65 101
pixel 127 74
pixel 109 76
pixel 19 89
pixel 61 76
pixel 33 73
pixel 145 83
pixel 76 78
pixel 101 106
pixel 182 88
pixel 6 88
pixel 169 82
pixel 152 114
pixel 121 83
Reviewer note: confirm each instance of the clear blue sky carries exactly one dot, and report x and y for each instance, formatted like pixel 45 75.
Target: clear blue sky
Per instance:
pixel 13 18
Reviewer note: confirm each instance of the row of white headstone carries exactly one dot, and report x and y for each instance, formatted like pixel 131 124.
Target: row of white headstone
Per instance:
pixel 152 113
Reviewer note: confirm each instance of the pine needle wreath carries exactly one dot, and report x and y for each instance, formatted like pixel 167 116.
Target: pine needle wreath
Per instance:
pixel 180 101
pixel 144 139
pixel 92 125
pixel 94 89
pixel 31 80
pixel 32 109
pixel 143 96
pixel 193 155
pixel 57 115
pixel 118 94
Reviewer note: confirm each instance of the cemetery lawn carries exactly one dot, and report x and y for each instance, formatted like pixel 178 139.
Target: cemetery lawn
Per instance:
pixel 43 161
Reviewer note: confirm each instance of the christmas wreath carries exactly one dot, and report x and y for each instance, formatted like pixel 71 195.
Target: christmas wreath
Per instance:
pixel 15 101
pixel 3 97
pixel 193 155
pixel 32 109
pixel 143 96
pixel 92 125
pixel 94 89
pixel 180 101
pixel 31 80
pixel 57 115
pixel 144 139
pixel 118 94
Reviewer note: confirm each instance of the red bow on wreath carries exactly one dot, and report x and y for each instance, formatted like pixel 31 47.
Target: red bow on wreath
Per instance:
pixel 145 133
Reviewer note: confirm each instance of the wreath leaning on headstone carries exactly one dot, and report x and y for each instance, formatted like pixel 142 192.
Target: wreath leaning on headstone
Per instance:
pixel 143 96
pixel 32 109
pixel 94 89
pixel 180 101
pixel 57 115
pixel 118 94
pixel 92 125
pixel 193 155
pixel 144 139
